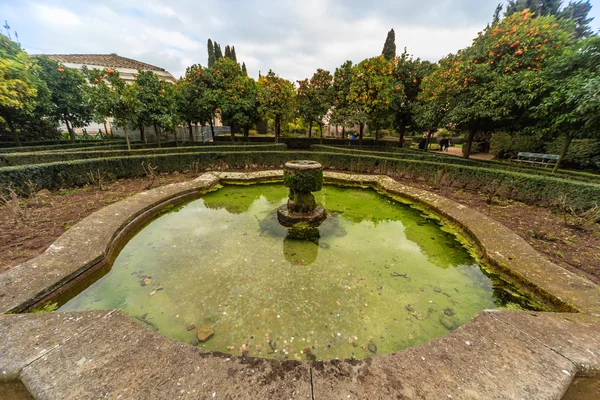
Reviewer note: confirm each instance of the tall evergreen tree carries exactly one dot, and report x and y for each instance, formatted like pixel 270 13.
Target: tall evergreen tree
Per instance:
pixel 498 12
pixel 218 52
pixel 389 48
pixel 211 53
pixel 578 12
pixel 233 56
pixel 228 51
pixel 244 70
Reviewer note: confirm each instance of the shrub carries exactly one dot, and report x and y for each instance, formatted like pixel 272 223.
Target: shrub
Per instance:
pixel 583 153
pixel 48 157
pixel 515 185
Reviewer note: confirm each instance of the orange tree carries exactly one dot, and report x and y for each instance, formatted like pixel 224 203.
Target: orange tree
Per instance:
pixel 342 107
pixel 408 76
pixel 371 93
pixel 314 98
pixel 69 94
pixel 276 99
pixel 476 87
pixel 235 93
pixel 192 97
pixel 114 98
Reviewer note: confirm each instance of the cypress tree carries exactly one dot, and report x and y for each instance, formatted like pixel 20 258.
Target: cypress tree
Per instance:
pixel 233 56
pixel 244 70
pixel 228 51
pixel 211 53
pixel 389 48
pixel 218 52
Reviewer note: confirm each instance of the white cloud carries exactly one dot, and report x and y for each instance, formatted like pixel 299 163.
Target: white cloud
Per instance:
pixel 55 16
pixel 291 37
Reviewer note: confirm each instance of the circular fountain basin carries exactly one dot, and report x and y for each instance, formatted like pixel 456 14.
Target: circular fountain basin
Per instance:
pixel 381 277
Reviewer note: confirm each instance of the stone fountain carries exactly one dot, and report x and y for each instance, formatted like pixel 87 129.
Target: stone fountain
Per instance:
pixel 301 215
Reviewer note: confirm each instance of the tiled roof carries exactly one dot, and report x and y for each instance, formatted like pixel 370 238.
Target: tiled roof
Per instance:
pixel 105 60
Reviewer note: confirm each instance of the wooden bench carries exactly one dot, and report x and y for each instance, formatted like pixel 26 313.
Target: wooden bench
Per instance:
pixel 534 158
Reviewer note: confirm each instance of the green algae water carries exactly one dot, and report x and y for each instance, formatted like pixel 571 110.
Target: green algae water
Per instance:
pixel 382 277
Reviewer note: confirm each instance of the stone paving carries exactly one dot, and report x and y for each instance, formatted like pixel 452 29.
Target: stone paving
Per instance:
pixel 105 354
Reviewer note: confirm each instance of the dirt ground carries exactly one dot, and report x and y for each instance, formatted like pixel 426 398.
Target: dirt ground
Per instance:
pixel 29 226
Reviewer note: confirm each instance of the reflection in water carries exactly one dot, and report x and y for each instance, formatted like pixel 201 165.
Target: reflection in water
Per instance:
pixel 300 252
pixel 381 277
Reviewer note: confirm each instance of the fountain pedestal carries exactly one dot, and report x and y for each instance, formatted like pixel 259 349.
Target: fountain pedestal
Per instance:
pixel 302 177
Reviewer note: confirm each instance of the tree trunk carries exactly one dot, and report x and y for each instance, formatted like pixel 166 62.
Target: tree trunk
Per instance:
pixel 157 135
pixel 337 132
pixel 191 131
pixel 361 128
pixel 246 131
pixel 377 134
pixel 277 127
pixel 563 152
pixel 126 136
pixel 343 131
pixel 469 142
pixel 13 129
pixel 232 134
pixel 401 133
pixel 310 129
pixel 321 131
pixel 429 135
pixel 142 135
pixel 212 129
pixel 106 133
pixel 70 130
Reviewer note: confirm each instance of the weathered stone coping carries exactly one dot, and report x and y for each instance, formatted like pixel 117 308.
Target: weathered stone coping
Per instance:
pixel 105 354
pixel 498 354
pixel 99 237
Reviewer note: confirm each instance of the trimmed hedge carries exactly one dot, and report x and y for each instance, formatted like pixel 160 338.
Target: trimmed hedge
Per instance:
pixel 445 158
pixel 28 149
pixel 48 157
pixel 529 188
pixel 51 142
pixel 304 143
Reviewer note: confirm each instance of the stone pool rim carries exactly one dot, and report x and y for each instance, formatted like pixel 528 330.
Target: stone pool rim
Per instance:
pixel 552 347
pixel 96 241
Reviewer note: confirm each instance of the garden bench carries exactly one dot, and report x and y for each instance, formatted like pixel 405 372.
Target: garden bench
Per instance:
pixel 534 158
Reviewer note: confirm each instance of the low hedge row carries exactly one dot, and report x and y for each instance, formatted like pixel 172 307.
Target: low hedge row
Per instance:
pixel 304 143
pixel 444 158
pixel 519 186
pixel 49 142
pixel 48 157
pixel 83 144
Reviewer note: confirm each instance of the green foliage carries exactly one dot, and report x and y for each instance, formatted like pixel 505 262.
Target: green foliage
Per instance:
pixel 372 91
pixel 506 145
pixel 157 101
pixel 480 88
pixel 69 94
pixel 314 97
pixel 18 84
pixel 192 95
pixel 235 92
pixel 389 48
pixel 532 188
pixel 408 76
pixel 568 93
pixel 276 99
pixel 211 53
pixel 582 153
pixel 342 107
pixel 24 158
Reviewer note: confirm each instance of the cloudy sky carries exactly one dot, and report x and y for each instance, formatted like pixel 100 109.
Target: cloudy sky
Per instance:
pixel 291 37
